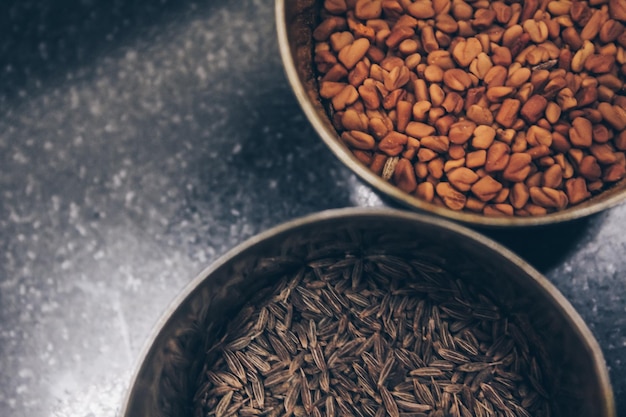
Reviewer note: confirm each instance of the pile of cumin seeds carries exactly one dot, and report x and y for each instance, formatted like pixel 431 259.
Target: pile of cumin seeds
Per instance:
pixel 373 335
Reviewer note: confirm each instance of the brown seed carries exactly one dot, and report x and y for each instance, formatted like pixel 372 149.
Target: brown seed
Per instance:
pixel 548 197
pixel 439 144
pixel 486 188
pixel 421 9
pixel 453 103
pixel 589 168
pixel 425 155
pixel 534 108
pixel 329 26
pixel 519 195
pixel 443 126
pixel 435 168
pixel 537 30
pixel 603 153
pixel 580 12
pixel 419 130
pixel 507 114
pixel 480 115
pixel 517 168
pixel 483 137
pixel 536 135
pixel 453 199
pixel 600 64
pixel 462 178
pixel 461 132
pixel 498 93
pixel 404 176
pixel 518 77
pixel 592 28
pixel 433 74
pixel 496 76
pixel 358 140
pixel 425 191
pixel 330 89
pixel 614 173
pixel 457 79
pixel 353 53
pixel 476 159
pixel 498 210
pixel 617 10
pixel 398 35
pixel 615 116
pixel 581 132
pixel 335 6
pixel 396 78
pixel 345 97
pixel 368 9
pixel 481 65
pixel 611 30
pixel 552 177
pixel 497 157
pixel 466 51
pixel 553 112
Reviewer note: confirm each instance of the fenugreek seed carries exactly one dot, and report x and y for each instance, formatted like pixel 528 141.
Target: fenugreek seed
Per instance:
pixel 486 188
pixel 466 51
pixel 581 132
pixel 457 79
pixel 507 113
pixel 534 108
pixel 461 132
pixel 480 115
pixel 351 54
pixel 453 199
pixel 462 178
pixel 419 130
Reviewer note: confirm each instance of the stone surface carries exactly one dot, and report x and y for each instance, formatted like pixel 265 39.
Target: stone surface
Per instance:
pixel 140 140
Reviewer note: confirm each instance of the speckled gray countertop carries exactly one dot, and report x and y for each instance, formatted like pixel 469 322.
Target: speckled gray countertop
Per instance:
pixel 141 139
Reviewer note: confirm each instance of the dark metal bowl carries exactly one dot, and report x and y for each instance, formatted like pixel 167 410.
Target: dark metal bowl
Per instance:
pixel 164 382
pixel 295 21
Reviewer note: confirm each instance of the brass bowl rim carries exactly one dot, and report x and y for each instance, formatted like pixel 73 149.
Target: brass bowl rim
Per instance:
pixel 331 140
pixel 556 298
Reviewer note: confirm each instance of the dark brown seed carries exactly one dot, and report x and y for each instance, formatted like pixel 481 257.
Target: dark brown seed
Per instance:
pixel 493 396
pixel 452 356
pixel 427 371
pixel 222 406
pixel 412 406
pixel 330 406
pixel 386 369
pixel 318 357
pixel 235 366
pixel 473 367
pixel 423 393
pixel 389 402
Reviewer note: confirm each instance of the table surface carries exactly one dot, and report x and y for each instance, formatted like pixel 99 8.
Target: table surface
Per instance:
pixel 140 140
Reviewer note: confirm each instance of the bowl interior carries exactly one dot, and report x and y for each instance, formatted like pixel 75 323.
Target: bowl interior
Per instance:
pixel 295 23
pixel 165 382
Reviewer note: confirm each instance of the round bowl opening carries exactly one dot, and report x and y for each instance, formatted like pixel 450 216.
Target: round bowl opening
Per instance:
pixel 295 22
pixel 166 380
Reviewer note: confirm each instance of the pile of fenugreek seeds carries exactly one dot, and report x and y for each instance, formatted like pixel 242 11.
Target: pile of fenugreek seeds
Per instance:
pixel 496 107
pixel 370 336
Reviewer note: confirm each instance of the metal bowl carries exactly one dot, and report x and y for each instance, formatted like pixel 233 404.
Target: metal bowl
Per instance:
pixel 164 382
pixel 295 21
